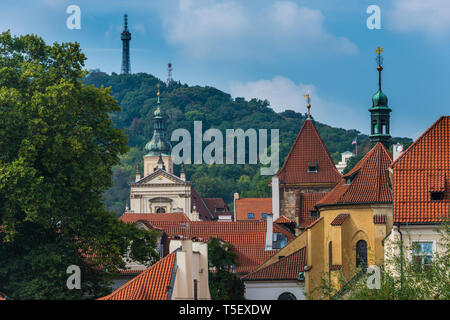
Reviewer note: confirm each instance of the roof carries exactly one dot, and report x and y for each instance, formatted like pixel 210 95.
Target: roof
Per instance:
pixel 152 284
pixel 339 220
pixel 286 268
pixel 284 219
pixel 203 211
pixel 257 206
pixel 368 178
pixel 308 150
pixel 213 203
pixel 246 237
pixel 421 169
pixel 133 217
pixel 307 202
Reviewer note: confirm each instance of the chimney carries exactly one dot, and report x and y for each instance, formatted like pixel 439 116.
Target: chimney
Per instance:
pixel 182 173
pixel 275 197
pixel 236 197
pixel 138 173
pixel 269 232
pixel 398 149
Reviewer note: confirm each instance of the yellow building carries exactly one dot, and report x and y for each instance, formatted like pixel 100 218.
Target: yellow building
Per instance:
pixel 354 219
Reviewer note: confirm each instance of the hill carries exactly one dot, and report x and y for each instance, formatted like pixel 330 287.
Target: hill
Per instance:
pixel 182 105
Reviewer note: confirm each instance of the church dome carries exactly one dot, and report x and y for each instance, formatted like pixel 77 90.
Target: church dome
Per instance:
pixel 379 99
pixel 158 145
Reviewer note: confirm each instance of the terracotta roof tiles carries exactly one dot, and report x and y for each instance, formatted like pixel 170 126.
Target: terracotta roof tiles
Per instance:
pixel 308 150
pixel 340 219
pixel 421 169
pixel 152 284
pixel 366 182
pixel 257 206
pixel 307 202
pixel 286 268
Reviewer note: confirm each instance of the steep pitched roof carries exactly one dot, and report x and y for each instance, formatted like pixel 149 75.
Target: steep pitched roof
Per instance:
pixel 421 169
pixel 283 219
pixel 257 206
pixel 286 268
pixel 133 217
pixel 308 150
pixel 339 220
pixel 214 203
pixel 203 211
pixel 152 284
pixel 368 184
pixel 246 237
pixel 307 202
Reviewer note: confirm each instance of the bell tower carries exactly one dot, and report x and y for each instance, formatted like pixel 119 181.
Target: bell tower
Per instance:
pixel 380 112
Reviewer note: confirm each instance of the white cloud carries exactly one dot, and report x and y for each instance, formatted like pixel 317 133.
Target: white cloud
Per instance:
pixel 209 28
pixel 429 16
pixel 284 94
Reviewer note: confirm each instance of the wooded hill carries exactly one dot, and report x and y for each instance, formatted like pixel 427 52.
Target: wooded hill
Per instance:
pixel 182 105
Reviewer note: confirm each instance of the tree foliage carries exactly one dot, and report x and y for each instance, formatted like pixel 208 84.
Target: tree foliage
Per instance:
pixel 223 284
pixel 57 149
pixel 183 104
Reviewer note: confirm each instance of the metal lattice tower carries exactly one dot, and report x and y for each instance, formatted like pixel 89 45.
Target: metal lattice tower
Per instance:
pixel 126 37
pixel 169 73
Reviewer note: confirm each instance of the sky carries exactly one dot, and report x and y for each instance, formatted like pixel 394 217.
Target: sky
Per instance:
pixel 270 49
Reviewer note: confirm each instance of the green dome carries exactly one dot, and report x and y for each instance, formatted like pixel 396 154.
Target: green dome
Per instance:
pixel 158 145
pixel 379 99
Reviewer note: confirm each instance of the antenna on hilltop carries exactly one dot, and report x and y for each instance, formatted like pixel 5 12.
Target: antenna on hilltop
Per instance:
pixel 169 73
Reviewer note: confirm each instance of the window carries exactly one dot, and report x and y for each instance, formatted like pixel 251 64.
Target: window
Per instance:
pixel 314 214
pixel 279 241
pixel 312 168
pixel 219 209
pixel 250 215
pixel 422 253
pixel 287 296
pixel 361 254
pixel 437 196
pixel 160 210
pixel 264 215
pixel 330 253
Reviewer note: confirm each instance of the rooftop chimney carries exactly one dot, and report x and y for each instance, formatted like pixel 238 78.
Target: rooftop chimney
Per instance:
pixel 275 197
pixel 269 232
pixel 236 197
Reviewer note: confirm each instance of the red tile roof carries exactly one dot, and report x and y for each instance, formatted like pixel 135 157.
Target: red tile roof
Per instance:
pixel 339 220
pixel 258 206
pixel 283 219
pixel 246 237
pixel 203 211
pixel 286 268
pixel 422 168
pixel 214 203
pixel 308 149
pixel 369 182
pixel 152 284
pixel 307 202
pixel 133 217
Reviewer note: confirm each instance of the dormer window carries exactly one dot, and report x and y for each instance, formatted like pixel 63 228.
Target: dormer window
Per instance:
pixel 437 196
pixel 312 167
pixel 250 215
pixel 350 178
pixel 264 215
pixel 314 214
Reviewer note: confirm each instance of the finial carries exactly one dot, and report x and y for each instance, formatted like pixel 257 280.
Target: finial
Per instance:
pixel 182 168
pixel 308 105
pixel 158 85
pixel 379 59
pixel 126 21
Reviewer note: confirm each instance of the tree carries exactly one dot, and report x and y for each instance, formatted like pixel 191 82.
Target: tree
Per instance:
pixel 351 163
pixel 57 149
pixel 223 284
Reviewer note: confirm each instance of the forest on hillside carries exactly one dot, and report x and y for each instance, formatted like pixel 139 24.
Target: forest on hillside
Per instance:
pixel 182 105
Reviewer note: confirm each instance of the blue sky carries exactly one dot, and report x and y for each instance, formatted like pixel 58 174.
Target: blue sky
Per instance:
pixel 275 50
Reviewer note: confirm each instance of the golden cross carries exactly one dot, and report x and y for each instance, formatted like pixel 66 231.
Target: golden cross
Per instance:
pixel 379 50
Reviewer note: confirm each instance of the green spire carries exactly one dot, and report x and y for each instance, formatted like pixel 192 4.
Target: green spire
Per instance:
pixel 158 145
pixel 379 99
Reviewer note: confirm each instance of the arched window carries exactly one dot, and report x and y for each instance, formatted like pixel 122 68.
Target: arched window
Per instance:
pixel 361 254
pixel 160 210
pixel 330 253
pixel 287 296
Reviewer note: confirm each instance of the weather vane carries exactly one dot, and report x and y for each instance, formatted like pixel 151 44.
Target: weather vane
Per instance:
pixel 308 105
pixel 379 50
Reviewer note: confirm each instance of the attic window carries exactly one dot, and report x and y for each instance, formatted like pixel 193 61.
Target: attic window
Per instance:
pixel 314 214
pixel 264 215
pixel 250 215
pixel 437 196
pixel 220 209
pixel 312 168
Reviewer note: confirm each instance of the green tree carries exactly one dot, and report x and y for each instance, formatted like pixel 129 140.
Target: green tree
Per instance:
pixel 223 284
pixel 57 149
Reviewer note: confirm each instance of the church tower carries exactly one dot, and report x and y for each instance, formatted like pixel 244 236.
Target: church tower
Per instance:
pixel 159 149
pixel 126 37
pixel 380 112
